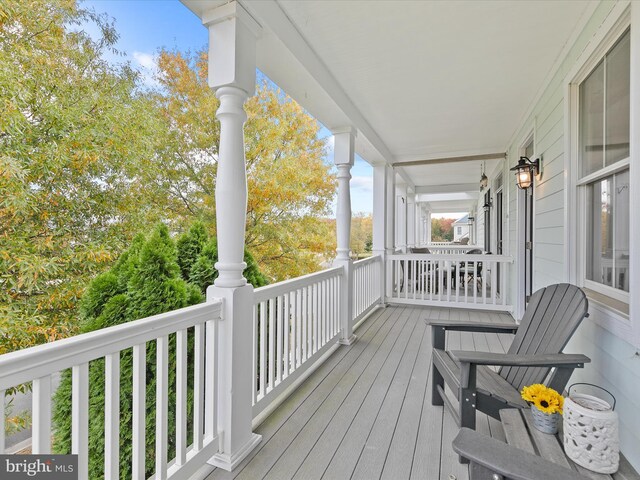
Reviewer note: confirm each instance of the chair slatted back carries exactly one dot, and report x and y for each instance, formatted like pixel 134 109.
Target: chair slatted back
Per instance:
pixel 551 317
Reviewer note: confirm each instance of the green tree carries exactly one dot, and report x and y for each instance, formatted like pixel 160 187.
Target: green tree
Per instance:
pixel 73 129
pixel 88 159
pixel 146 280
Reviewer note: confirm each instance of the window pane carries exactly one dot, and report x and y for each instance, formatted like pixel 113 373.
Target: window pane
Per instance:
pixel 621 230
pixel 528 150
pixel 600 232
pixel 617 114
pixel 591 120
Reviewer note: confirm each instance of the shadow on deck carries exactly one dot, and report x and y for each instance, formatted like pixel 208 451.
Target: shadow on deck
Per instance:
pixel 366 412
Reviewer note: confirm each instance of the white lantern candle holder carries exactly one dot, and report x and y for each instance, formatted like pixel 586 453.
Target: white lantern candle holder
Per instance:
pixel 590 428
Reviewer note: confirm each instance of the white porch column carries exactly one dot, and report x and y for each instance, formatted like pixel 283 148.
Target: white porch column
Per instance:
pixel 401 216
pixel 390 198
pixel 418 221
pixel 411 219
pixel 232 36
pixel 344 152
pixel 380 220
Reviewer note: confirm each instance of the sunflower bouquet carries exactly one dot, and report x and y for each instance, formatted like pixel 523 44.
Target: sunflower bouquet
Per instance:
pixel 545 399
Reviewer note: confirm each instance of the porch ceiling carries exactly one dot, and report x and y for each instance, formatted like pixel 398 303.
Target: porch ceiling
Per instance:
pixel 418 79
pixel 437 77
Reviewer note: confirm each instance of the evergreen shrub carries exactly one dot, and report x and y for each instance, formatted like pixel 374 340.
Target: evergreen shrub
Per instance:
pixel 153 276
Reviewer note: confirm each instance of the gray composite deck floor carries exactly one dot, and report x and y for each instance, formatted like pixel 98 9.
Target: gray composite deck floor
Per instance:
pixel 366 412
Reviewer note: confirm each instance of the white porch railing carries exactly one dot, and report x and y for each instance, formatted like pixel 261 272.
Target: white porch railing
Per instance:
pixel 38 364
pixel 295 322
pixel 442 248
pixel 366 286
pixel 462 280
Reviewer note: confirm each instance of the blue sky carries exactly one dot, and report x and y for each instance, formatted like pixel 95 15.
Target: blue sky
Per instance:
pixel 145 26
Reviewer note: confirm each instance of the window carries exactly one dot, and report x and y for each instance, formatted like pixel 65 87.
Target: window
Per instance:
pixel 603 170
pixel 458 230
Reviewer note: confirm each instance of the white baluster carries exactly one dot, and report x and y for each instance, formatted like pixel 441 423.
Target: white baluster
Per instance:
pixel 139 411
pixel 181 397
pixel 2 421
pixel 112 417
pixel 41 416
pixel 80 417
pixel 162 406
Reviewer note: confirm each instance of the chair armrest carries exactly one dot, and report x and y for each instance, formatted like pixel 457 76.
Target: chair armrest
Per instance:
pixel 516 360
pixel 439 329
pixel 467 326
pixel 507 460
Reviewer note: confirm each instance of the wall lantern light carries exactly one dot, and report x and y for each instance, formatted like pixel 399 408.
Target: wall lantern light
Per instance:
pixel 487 206
pixel 484 180
pixel 525 170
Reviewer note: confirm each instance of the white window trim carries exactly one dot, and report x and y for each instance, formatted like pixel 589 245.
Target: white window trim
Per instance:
pixel 520 253
pixel 623 15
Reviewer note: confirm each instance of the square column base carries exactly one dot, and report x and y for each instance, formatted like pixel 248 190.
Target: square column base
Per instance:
pixel 228 462
pixel 349 341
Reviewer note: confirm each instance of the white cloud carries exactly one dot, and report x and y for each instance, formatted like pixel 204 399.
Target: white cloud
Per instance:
pixel 362 182
pixel 147 64
pixel 145 60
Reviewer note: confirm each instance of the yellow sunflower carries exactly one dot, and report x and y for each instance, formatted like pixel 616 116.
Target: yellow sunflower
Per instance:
pixel 530 393
pixel 549 402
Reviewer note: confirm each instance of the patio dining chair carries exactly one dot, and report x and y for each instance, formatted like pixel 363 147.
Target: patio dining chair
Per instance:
pixel 413 282
pixel 465 272
pixel 551 317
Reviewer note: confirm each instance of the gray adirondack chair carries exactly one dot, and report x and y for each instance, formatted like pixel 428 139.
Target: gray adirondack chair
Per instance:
pixel 492 459
pixel 551 317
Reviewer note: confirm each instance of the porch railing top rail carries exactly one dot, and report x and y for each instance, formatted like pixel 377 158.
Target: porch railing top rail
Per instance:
pixel 42 360
pixel 449 244
pixel 364 261
pixel 461 257
pixel 264 293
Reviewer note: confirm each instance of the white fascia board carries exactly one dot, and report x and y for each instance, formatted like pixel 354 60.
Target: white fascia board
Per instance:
pixel 200 7
pixel 402 173
pixel 293 44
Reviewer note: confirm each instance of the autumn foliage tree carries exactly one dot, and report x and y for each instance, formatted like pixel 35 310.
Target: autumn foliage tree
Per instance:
pixel 442 229
pixel 290 186
pixel 88 159
pixel 361 234
pixel 73 130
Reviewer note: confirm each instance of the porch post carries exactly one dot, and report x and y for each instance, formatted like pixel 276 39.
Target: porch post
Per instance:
pixel 389 242
pixel 232 70
pixel 380 221
pixel 411 219
pixel 401 219
pixel 418 220
pixel 344 151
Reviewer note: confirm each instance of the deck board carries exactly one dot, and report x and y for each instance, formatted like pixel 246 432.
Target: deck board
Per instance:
pixel 366 412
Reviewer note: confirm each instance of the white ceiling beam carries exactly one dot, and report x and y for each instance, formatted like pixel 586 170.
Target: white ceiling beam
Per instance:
pixel 405 176
pixel 451 159
pixel 450 207
pixel 456 187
